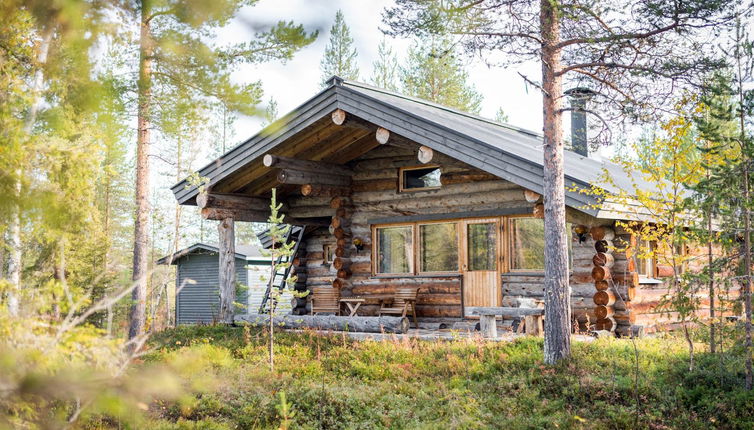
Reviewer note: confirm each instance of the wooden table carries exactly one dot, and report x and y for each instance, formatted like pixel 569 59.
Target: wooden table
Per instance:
pixel 354 303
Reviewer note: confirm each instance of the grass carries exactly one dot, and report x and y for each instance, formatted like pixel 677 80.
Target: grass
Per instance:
pixel 333 382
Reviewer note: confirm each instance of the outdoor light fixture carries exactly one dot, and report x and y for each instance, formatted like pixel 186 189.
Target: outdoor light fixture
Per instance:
pixel 358 243
pixel 581 231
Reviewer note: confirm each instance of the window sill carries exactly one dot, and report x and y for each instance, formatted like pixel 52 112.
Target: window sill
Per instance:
pixel 524 273
pixel 650 281
pixel 411 275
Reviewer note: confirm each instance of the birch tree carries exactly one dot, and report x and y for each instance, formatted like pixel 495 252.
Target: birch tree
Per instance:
pixel 633 54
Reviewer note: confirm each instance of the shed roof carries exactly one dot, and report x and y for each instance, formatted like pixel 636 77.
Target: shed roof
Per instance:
pixel 509 152
pixel 245 252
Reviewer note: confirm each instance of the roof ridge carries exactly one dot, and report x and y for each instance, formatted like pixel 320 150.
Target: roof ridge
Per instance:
pixel 441 107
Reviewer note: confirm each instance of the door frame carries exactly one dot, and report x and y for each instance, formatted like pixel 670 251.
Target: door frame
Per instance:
pixel 500 260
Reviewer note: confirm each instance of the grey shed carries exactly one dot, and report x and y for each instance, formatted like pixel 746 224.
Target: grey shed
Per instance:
pixel 197 294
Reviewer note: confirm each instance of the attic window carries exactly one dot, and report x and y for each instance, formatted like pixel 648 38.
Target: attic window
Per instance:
pixel 419 178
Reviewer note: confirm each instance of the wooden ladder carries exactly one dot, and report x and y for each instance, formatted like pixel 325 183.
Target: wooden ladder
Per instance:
pixel 295 233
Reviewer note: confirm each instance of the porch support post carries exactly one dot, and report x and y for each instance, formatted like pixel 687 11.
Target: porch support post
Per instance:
pixel 227 269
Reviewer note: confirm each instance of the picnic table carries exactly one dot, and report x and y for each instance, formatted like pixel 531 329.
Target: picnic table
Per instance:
pixel 354 303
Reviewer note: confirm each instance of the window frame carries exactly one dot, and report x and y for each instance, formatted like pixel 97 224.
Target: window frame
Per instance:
pixel 328 248
pixel 651 261
pixel 376 249
pixel 509 244
pixel 401 170
pixel 417 232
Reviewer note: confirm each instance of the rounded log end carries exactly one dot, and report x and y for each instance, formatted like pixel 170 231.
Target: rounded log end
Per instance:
pixel 382 135
pixel 268 160
pixel 425 154
pixel 338 116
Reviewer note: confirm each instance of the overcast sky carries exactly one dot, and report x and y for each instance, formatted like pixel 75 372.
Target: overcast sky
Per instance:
pixel 294 82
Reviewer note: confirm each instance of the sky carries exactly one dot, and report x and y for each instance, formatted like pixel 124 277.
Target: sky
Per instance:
pixel 294 82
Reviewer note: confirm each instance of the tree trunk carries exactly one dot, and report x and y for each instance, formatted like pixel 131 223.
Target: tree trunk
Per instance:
pixel 227 274
pixel 13 275
pixel 747 282
pixel 137 317
pixel 557 290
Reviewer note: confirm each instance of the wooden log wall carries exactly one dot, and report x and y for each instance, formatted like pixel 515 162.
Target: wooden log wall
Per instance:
pixel 375 195
pixel 605 284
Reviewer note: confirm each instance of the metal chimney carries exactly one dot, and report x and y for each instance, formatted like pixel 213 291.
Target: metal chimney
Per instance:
pixel 579 97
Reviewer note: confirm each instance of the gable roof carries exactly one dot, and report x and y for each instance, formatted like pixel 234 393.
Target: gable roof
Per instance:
pixel 511 153
pixel 244 252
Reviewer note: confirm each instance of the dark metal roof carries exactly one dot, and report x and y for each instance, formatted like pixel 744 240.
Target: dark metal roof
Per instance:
pixel 245 252
pixel 511 153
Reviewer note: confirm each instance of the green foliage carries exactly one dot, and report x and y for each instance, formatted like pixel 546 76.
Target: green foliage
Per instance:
pixel 334 382
pixel 385 68
pixel 434 72
pixel 340 56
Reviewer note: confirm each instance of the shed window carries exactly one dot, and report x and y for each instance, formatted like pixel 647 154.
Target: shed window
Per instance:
pixel 420 178
pixel 438 247
pixel 527 240
pixel 395 249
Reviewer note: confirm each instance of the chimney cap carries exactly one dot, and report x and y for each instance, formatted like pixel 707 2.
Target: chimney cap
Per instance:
pixel 580 93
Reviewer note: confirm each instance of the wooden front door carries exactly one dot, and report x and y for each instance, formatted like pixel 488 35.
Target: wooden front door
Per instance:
pixel 480 262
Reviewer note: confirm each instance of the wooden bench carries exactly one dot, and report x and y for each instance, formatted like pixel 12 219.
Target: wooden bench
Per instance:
pixel 533 318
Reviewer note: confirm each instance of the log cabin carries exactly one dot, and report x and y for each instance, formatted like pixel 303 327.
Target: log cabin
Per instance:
pixel 394 191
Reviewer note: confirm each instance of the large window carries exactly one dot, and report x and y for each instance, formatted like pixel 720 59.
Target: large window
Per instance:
pixel 438 247
pixel 395 249
pixel 527 244
pixel 419 178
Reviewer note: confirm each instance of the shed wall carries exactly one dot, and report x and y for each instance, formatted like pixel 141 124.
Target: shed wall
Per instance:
pixel 199 302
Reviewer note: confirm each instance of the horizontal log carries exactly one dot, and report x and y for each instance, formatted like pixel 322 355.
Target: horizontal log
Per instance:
pixel 600 273
pixel 338 116
pixel 601 285
pixel 340 222
pixel 375 185
pixel 538 211
pixel 602 312
pixel 386 324
pixel 531 196
pixel 608 324
pixel 425 154
pixel 464 177
pixel 605 246
pixel 299 177
pixel 318 190
pixel 630 331
pixel 256 216
pixel 339 202
pixel 341 252
pixel 233 201
pixel 602 233
pixel 664 271
pixel 604 298
pixel 603 259
pixel 279 162
pixel 341 263
pixel 340 233
pixel 344 273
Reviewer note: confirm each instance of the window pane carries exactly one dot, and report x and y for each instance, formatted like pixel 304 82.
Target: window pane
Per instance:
pixel 421 178
pixel 439 247
pixel 395 249
pixel 482 246
pixel 528 243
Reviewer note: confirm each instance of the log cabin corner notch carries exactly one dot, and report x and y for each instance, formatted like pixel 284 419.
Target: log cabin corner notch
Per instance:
pixel 471 238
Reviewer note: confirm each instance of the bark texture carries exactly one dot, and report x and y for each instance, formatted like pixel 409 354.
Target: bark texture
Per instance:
pixel 557 289
pixel 137 316
pixel 227 275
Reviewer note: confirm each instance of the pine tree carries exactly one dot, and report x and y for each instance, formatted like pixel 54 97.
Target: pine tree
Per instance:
pixel 385 69
pixel 634 54
pixel 176 57
pixel 434 72
pixel 340 55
